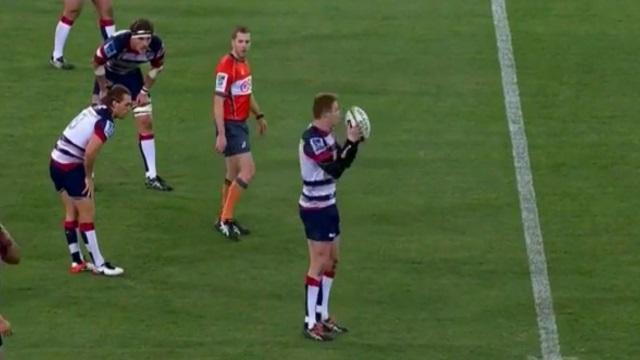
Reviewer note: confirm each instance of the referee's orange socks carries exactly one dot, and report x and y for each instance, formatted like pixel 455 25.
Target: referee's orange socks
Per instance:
pixel 224 191
pixel 234 192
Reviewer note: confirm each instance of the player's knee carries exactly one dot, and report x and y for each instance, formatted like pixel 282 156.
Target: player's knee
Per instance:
pixel 71 13
pixel 230 174
pixel 70 215
pixel 247 173
pixel 145 125
pixel 105 10
pixel 85 217
pixel 72 9
pixel 321 256
pixel 246 176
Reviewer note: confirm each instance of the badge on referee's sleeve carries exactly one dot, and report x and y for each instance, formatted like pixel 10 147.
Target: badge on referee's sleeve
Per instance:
pixel 221 82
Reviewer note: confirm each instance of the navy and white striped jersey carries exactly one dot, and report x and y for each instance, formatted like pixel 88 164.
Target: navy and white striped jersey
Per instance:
pixel 118 57
pixel 319 188
pixel 94 120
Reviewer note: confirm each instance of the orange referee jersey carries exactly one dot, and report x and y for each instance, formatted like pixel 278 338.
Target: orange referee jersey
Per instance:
pixel 233 82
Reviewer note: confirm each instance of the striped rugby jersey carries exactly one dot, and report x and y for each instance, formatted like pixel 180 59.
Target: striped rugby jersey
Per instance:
pixel 319 188
pixel 119 58
pixel 94 120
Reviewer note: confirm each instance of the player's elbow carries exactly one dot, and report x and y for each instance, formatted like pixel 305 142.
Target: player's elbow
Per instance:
pixel 99 70
pixel 13 256
pixel 12 260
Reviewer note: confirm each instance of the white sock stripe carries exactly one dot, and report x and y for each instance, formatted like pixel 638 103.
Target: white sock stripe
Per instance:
pixel 110 30
pixel 94 248
pixel 326 292
pixel 60 38
pixel 74 248
pixel 148 150
pixel 312 298
pixel 549 341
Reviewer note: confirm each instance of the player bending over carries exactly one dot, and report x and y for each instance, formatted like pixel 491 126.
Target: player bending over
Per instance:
pixel 71 166
pixel 117 61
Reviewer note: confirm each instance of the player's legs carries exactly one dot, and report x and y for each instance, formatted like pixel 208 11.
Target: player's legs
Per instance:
pixel 70 225
pixel 72 8
pixel 321 229
pixel 73 184
pixel 329 273
pixel 231 172
pixel 61 180
pixel 70 12
pixel 240 171
pixel 147 146
pixel 86 213
pixel 319 257
pixel 104 10
pixel 85 208
pixel 146 141
pixel 143 115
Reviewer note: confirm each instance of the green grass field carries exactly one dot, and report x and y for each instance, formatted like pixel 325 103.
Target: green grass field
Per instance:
pixel 433 259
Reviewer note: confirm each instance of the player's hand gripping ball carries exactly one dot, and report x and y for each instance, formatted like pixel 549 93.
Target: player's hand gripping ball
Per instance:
pixel 355 116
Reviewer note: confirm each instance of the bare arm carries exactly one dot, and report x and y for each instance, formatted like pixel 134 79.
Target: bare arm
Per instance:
pixel 101 77
pixel 91 153
pixel 148 82
pixel 218 113
pixel 255 108
pixel 150 77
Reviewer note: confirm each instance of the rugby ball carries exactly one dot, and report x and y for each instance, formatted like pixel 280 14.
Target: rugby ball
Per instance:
pixel 355 116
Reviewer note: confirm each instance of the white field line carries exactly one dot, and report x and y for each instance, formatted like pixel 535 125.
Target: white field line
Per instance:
pixel 548 331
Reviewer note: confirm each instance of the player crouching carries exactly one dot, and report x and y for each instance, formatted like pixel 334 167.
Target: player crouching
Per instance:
pixel 71 166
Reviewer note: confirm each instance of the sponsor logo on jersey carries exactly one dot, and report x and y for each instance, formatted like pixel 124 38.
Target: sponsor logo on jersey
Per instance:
pixel 241 87
pixel 318 145
pixel 109 129
pixel 110 48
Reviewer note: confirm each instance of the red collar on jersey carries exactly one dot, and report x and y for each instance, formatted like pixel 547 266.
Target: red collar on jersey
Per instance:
pixel 236 58
pixel 322 132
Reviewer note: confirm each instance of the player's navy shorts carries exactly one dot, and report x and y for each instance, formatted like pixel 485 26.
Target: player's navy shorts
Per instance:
pixel 134 81
pixel 71 181
pixel 321 224
pixel 237 133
